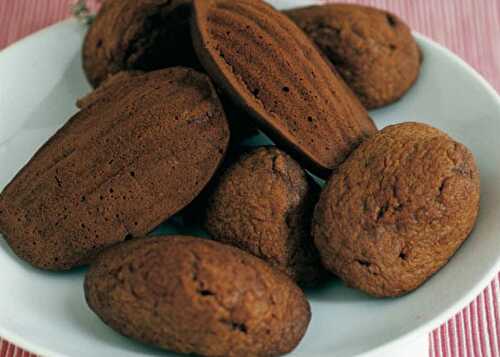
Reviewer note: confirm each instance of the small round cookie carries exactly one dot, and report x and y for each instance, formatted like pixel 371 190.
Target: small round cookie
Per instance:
pixel 373 50
pixel 263 204
pixel 192 295
pixel 138 35
pixel 397 209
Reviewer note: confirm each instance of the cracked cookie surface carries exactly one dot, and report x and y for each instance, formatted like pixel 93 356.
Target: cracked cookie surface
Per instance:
pixel 193 295
pixel 397 209
pixel 263 204
pixel 373 50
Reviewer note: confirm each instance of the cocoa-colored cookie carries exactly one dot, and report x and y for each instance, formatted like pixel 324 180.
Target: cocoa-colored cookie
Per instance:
pixel 273 70
pixel 138 35
pixel 118 168
pixel 397 210
pixel 194 214
pixel 373 50
pixel 240 124
pixel 111 83
pixel 192 295
pixel 263 203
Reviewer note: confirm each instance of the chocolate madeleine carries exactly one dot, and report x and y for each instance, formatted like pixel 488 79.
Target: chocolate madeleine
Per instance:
pixel 240 124
pixel 196 296
pixel 138 35
pixel 397 209
pixel 373 50
pixel 136 155
pixel 111 83
pixel 263 204
pixel 272 69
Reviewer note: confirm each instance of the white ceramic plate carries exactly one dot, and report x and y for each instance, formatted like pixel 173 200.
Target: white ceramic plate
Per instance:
pixel 41 77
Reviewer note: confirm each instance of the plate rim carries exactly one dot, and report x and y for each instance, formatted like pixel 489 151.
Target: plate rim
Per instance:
pixel 425 327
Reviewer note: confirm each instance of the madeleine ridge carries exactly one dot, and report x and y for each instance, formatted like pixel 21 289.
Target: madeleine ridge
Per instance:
pixel 137 153
pixel 193 295
pixel 273 70
pixel 397 209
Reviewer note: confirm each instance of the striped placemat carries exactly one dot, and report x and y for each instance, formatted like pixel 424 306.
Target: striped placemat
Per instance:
pixel 474 331
pixel 11 350
pixel 470 28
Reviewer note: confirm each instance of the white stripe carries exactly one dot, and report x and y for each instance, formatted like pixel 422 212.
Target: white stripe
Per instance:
pixel 431 345
pixel 452 332
pixel 482 311
pixel 449 332
pixel 446 347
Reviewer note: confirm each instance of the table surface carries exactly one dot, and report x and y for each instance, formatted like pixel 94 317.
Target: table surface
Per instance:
pixel 470 28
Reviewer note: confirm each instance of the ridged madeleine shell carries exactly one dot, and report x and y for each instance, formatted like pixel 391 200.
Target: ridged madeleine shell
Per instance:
pixel 271 68
pixel 134 156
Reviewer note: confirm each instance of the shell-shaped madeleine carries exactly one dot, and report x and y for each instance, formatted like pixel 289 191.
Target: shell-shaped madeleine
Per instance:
pixel 139 151
pixel 272 69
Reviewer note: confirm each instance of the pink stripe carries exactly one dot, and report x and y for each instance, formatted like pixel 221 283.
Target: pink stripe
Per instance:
pixel 452 337
pixel 444 340
pixel 481 326
pixel 10 21
pixel 460 334
pixel 10 350
pixel 473 323
pixel 3 349
pixel 467 327
pixel 435 335
pixel 494 286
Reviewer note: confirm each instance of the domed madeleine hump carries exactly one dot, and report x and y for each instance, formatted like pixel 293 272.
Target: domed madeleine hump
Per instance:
pixel 397 209
pixel 373 50
pixel 193 295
